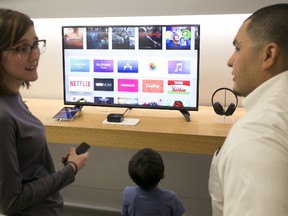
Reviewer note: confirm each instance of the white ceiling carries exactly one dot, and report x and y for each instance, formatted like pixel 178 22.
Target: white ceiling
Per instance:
pixel 112 8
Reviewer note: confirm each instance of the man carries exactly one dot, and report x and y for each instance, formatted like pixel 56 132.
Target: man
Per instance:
pixel 249 174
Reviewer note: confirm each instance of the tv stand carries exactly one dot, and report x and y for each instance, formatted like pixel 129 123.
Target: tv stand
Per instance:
pixel 78 106
pixel 186 114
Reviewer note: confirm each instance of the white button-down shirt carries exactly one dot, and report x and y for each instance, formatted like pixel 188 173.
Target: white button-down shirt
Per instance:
pixel 249 175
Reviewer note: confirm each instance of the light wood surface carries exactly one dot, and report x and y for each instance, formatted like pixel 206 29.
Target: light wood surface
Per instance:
pixel 163 130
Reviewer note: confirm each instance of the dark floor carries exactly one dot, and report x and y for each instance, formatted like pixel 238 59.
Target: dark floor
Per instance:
pixel 74 210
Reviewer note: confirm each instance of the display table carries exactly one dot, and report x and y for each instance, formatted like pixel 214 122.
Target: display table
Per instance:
pixel 163 130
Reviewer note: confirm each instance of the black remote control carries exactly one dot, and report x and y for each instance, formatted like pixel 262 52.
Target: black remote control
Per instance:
pixel 82 148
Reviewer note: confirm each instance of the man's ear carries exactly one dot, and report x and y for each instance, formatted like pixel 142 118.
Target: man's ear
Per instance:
pixel 163 176
pixel 271 53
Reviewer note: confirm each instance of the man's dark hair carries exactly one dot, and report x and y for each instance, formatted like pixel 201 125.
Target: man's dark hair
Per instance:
pixel 146 168
pixel 270 24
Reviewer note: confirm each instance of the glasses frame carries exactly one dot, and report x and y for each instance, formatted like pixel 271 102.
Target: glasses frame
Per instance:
pixel 35 46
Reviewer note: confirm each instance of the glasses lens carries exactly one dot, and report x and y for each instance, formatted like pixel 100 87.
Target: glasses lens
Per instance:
pixel 24 50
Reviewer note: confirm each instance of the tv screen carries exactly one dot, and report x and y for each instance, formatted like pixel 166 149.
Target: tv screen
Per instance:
pixel 155 67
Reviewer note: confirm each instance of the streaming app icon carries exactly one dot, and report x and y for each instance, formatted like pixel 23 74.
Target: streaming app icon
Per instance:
pixel 128 85
pixel 178 67
pixel 103 84
pixel 79 65
pixel 103 65
pixel 128 66
pixel 80 83
pixel 178 86
pixel 156 86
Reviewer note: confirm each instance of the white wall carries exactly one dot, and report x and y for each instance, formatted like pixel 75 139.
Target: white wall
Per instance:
pixel 216 31
pixel 118 8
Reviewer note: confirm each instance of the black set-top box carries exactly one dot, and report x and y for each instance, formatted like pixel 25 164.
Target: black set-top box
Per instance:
pixel 115 117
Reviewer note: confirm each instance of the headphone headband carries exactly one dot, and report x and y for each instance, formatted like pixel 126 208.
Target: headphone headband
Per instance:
pixel 218 108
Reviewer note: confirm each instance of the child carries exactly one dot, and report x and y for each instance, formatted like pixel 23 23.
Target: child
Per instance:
pixel 146 169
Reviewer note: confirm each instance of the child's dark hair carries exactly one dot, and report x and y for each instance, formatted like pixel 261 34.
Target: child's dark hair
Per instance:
pixel 146 168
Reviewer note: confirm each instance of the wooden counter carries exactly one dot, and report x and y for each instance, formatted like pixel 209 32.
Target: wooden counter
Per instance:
pixel 163 130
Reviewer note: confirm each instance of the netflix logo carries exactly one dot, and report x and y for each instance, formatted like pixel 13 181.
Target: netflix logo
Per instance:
pixel 79 83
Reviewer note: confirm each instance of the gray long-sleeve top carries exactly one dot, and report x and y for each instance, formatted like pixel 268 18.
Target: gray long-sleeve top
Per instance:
pixel 29 184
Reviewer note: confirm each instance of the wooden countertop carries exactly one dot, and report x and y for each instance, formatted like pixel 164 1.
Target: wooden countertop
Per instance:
pixel 163 130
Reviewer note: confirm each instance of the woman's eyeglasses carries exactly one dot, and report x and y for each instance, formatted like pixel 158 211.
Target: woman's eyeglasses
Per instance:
pixel 26 49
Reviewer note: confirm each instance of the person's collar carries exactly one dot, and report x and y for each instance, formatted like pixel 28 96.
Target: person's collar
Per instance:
pixel 261 92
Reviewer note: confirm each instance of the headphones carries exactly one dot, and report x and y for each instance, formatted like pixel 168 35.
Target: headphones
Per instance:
pixel 218 108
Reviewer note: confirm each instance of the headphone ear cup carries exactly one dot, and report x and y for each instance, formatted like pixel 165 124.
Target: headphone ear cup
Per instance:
pixel 218 108
pixel 230 110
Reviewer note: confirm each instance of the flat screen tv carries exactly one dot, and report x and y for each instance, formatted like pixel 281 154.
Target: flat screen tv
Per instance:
pixel 147 66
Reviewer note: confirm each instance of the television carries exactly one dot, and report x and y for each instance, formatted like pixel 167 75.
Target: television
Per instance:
pixel 132 66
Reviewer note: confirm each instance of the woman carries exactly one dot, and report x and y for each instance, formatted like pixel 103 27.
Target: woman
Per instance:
pixel 29 184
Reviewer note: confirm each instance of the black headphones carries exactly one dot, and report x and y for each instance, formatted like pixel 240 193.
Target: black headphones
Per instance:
pixel 218 108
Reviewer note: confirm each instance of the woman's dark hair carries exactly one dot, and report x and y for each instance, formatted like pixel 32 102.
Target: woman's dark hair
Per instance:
pixel 146 168
pixel 13 25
